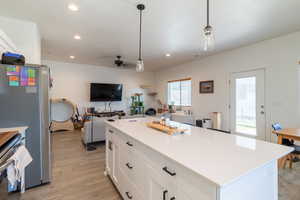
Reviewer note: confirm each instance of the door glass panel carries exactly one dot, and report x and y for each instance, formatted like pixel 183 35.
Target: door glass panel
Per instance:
pixel 246 106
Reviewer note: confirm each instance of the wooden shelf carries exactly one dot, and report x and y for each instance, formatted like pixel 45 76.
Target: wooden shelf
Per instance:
pixel 146 86
pixel 149 89
pixel 152 93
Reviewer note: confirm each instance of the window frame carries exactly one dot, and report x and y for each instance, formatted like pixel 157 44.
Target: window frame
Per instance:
pixel 180 80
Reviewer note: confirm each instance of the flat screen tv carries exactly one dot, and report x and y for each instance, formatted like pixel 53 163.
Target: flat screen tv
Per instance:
pixel 106 92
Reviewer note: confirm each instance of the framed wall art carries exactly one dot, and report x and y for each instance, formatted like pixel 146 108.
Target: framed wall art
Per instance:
pixel 206 87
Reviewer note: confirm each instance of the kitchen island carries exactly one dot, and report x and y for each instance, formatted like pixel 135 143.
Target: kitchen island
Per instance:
pixel 201 164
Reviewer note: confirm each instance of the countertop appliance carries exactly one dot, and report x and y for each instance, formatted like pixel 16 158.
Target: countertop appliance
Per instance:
pixel 24 101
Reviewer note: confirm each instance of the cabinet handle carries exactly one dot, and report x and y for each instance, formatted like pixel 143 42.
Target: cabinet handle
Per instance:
pixel 165 195
pixel 129 144
pixel 173 198
pixel 128 195
pixel 170 173
pixel 128 165
pixel 110 145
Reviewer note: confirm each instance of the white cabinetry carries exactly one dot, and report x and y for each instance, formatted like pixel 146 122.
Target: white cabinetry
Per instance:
pixel 140 173
pixel 145 164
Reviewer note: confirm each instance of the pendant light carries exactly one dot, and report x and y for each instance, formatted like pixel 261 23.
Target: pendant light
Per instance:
pixel 140 62
pixel 209 40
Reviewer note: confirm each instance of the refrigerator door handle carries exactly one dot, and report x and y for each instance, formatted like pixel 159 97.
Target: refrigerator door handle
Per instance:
pixel 45 118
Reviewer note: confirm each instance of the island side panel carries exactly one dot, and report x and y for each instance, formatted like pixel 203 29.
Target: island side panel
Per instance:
pixel 261 184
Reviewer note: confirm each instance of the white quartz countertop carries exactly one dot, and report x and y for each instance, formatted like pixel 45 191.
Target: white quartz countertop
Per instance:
pixel 221 158
pixel 20 129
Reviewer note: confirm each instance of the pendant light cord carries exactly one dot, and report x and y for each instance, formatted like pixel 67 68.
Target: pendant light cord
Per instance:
pixel 207 13
pixel 140 45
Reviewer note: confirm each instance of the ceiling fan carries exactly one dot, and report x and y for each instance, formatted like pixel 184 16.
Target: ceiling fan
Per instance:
pixel 119 62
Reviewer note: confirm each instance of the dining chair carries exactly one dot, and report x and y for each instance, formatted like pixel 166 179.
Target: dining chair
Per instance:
pixel 292 157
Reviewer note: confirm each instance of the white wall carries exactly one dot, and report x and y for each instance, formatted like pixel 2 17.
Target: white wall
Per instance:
pixel 279 57
pixel 71 81
pixel 25 36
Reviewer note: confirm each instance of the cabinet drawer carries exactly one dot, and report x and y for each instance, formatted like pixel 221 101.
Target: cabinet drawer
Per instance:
pixel 132 164
pixel 128 190
pixel 109 130
pixel 130 145
pixel 166 168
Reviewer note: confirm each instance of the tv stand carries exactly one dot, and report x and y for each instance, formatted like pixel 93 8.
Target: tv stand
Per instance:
pixel 107 114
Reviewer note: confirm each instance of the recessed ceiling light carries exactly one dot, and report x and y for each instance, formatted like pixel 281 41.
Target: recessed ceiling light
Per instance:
pixel 72 57
pixel 73 7
pixel 168 55
pixel 77 37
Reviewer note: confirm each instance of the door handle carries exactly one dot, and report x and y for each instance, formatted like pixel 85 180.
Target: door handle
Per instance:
pixel 262 112
pixel 128 195
pixel 128 165
pixel 165 194
pixel 173 198
pixel 170 173
pixel 129 144
pixel 110 131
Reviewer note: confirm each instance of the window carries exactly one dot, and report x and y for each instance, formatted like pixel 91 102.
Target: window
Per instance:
pixel 180 92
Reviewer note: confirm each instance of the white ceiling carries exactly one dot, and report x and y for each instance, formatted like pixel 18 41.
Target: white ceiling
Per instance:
pixel 110 27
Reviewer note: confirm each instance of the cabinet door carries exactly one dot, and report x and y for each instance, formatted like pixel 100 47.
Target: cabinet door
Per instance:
pixel 109 153
pixel 116 162
pixel 158 188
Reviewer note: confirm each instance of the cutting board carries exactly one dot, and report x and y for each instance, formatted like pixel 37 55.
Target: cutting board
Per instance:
pixel 6 136
pixel 165 129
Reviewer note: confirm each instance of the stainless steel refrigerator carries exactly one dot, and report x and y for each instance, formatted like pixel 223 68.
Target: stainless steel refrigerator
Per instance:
pixel 24 101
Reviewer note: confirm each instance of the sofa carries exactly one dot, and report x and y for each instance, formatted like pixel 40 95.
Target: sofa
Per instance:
pixel 98 130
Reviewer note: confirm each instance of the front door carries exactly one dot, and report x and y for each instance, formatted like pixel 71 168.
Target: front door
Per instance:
pixel 248 104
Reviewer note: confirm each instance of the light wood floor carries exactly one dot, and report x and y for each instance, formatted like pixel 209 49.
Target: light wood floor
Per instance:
pixel 289 183
pixel 78 175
